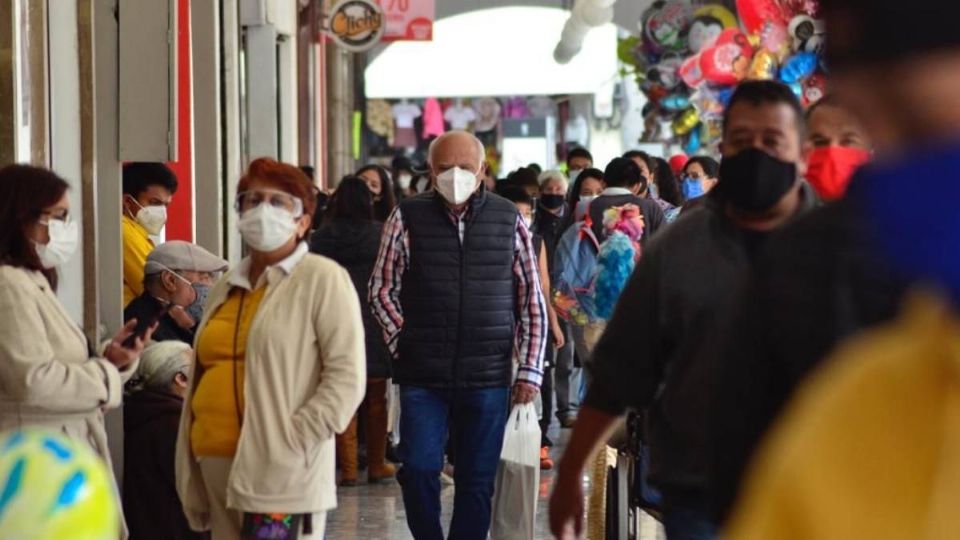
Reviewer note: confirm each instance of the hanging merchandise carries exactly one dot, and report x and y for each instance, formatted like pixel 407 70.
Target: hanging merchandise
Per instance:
pixel 688 57
pixel 542 107
pixel 432 119
pixel 488 114
pixel 404 114
pixel 516 107
pixel 380 119
pixel 459 116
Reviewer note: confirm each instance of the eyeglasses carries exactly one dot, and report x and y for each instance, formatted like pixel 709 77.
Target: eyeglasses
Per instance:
pixel 46 217
pixel 249 200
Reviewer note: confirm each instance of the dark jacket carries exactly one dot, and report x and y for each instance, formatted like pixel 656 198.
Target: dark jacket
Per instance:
pixel 354 245
pixel 150 503
pixel 550 228
pixel 653 218
pixel 144 307
pixel 818 282
pixel 458 299
pixel 666 329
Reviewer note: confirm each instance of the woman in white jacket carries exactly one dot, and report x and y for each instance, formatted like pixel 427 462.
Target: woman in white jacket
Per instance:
pixel 50 375
pixel 280 370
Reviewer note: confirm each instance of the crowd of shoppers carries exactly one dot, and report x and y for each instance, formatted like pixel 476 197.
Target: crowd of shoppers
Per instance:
pixel 762 335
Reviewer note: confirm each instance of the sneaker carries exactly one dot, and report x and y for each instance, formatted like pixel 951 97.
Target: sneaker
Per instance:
pixel 545 462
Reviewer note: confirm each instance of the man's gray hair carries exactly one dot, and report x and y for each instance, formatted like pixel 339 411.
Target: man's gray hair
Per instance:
pixel 481 151
pixel 548 176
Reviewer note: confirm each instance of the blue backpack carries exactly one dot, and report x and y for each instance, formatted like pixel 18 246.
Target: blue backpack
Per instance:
pixel 576 262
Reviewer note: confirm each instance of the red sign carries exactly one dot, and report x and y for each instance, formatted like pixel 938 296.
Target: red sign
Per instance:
pixel 408 20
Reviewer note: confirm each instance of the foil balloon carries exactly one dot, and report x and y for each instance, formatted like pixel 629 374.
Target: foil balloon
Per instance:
pixel 666 73
pixel 763 67
pixel 728 60
pixel 707 101
pixel 703 31
pixel 663 25
pixel 693 141
pixel 797 89
pixel 690 71
pixel 675 102
pixel 799 67
pixel 807 34
pixel 773 37
pixel 753 13
pixel 718 12
pixel 685 123
pixel 814 88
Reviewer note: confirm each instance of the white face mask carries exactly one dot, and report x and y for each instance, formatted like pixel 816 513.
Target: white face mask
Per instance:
pixel 456 185
pixel 64 238
pixel 404 180
pixel 152 218
pixel 266 228
pixel 574 173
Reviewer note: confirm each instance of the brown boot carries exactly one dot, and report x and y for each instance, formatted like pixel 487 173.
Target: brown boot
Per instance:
pixel 377 466
pixel 347 454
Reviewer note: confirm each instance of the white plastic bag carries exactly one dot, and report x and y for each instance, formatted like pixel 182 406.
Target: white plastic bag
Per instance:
pixel 518 477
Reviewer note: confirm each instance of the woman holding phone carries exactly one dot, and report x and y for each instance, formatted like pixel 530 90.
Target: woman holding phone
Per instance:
pixel 280 370
pixel 50 375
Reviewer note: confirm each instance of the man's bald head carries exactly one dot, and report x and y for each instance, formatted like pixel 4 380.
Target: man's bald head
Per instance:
pixel 456 149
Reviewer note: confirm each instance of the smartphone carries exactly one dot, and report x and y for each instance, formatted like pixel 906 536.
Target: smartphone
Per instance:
pixel 144 324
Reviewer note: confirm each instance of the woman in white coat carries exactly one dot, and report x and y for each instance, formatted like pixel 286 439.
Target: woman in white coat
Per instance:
pixel 50 376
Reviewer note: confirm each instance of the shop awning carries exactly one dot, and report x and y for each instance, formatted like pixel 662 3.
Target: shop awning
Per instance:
pixel 494 52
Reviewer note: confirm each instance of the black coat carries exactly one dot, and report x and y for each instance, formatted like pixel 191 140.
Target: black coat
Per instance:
pixel 354 246
pixel 150 502
pixel 144 306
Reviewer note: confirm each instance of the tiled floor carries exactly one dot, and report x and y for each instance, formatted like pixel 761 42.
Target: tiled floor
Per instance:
pixel 376 512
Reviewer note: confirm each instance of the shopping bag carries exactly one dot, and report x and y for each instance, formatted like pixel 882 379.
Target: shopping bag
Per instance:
pixel 518 477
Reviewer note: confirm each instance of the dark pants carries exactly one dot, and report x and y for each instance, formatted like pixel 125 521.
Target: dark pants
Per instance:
pixel 479 417
pixel 686 518
pixel 546 402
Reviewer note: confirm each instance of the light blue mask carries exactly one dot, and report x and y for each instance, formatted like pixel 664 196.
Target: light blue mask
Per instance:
pixel 691 188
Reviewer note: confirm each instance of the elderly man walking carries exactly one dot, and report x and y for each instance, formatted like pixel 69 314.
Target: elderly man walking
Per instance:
pixel 457 293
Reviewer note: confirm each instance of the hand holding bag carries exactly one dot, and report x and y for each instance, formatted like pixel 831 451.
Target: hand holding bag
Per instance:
pixel 518 477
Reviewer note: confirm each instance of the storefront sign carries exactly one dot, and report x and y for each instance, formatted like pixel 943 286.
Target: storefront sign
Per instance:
pixel 409 20
pixel 357 25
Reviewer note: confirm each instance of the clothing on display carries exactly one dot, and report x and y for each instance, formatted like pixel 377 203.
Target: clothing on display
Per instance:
pixel 516 108
pixel 405 138
pixel 460 116
pixel 380 119
pixel 577 131
pixel 404 114
pixel 432 119
pixel 542 107
pixel 488 114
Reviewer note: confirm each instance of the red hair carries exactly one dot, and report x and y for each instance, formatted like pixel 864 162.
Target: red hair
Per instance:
pixel 284 177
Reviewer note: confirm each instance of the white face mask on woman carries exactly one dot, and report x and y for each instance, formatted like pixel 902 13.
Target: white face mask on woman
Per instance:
pixel 266 228
pixel 62 245
pixel 151 218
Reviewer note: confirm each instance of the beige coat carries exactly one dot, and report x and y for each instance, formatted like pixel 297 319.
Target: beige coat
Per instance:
pixel 305 377
pixel 47 377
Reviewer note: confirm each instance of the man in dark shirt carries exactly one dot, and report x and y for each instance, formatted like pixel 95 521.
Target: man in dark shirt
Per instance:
pixel 666 322
pixel 181 274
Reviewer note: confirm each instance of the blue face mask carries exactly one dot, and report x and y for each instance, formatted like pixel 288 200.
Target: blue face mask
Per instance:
pixel 691 188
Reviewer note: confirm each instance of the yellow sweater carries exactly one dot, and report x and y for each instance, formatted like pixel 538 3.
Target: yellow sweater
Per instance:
pixel 136 246
pixel 216 428
pixel 871 446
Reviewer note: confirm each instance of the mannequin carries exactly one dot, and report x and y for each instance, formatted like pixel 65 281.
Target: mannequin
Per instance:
pixel 460 117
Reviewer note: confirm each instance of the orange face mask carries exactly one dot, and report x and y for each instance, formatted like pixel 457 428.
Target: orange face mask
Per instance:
pixel 830 168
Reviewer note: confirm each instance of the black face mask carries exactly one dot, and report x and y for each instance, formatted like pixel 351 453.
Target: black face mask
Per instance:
pixel 755 181
pixel 552 202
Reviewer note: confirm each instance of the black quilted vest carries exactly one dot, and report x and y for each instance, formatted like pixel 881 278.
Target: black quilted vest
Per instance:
pixel 458 301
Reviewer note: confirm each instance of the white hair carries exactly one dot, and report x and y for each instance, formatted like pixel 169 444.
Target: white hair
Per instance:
pixel 547 176
pixel 481 151
pixel 159 363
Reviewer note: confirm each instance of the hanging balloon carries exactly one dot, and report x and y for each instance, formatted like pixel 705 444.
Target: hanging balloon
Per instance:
pixel 753 13
pixel 799 67
pixel 707 101
pixel 763 67
pixel 814 88
pixel 728 60
pixel 690 71
pixel 663 24
pixel 684 123
pixel 693 141
pixel 797 90
pixel 675 102
pixel 718 12
pixel 773 37
pixel 807 33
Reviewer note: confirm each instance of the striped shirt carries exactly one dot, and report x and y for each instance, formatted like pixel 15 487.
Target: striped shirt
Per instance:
pixel 531 332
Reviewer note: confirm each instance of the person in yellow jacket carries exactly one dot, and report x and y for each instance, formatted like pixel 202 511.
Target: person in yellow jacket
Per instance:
pixel 148 189
pixel 871 447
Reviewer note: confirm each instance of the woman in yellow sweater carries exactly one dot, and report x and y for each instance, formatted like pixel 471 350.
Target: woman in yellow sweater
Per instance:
pixel 261 455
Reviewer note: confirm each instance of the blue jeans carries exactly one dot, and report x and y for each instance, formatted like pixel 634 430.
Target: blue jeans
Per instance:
pixel 478 418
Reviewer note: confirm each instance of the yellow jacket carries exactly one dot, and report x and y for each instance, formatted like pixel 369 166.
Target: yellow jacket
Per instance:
pixel 136 246
pixel 305 376
pixel 870 448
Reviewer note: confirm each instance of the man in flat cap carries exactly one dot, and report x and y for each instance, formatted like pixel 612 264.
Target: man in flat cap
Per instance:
pixel 177 273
